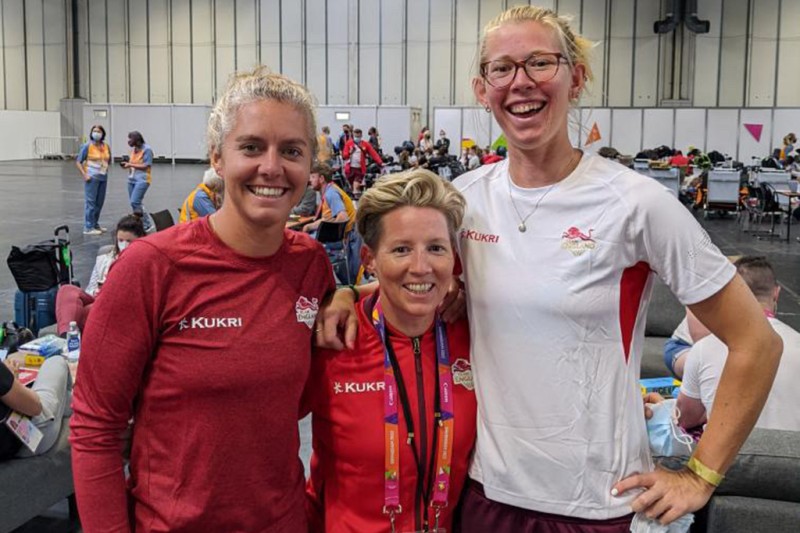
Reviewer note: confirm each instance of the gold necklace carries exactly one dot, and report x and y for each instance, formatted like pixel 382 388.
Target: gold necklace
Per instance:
pixel 569 168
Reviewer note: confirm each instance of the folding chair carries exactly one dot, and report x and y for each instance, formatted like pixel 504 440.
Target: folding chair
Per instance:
pixel 162 219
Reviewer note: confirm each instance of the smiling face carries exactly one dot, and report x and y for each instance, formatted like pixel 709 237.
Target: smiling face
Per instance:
pixel 264 161
pixel 532 116
pixel 413 260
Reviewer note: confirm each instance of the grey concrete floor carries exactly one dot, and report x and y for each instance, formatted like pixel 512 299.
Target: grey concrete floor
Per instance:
pixel 37 196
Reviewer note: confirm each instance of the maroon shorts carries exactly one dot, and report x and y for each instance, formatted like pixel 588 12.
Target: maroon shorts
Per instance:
pixel 480 514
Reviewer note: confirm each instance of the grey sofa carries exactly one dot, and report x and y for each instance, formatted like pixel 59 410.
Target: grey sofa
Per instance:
pixel 761 492
pixel 30 486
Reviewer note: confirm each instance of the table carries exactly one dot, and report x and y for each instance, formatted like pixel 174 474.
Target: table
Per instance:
pixel 789 195
pixel 298 223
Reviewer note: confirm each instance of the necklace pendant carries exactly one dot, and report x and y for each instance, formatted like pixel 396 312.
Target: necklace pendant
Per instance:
pixel 522 227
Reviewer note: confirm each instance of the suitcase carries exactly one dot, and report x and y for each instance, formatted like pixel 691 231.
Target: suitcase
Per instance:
pixel 35 310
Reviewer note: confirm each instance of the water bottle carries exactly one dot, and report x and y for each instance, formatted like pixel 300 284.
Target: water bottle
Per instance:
pixel 73 342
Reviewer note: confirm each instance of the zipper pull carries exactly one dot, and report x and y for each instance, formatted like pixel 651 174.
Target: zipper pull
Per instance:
pixel 415 344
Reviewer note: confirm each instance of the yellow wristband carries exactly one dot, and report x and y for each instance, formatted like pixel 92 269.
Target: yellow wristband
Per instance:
pixel 712 477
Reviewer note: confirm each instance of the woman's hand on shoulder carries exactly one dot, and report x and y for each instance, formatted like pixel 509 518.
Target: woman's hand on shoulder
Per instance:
pixel 454 305
pixel 337 321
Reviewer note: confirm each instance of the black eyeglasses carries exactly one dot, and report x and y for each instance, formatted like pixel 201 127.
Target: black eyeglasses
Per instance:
pixel 539 68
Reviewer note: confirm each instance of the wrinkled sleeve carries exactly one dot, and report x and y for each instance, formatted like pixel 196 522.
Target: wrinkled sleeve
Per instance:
pixel 147 158
pixel 118 343
pixel 83 153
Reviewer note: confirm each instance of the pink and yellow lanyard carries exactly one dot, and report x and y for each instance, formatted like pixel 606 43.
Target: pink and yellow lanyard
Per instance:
pixel 446 421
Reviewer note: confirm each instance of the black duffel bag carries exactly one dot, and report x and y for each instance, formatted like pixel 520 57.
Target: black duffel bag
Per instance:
pixel 35 267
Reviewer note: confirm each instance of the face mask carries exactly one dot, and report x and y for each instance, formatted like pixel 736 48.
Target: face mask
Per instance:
pixel 122 245
pixel 667 438
pixel 357 139
pixel 642 524
pixel 96 136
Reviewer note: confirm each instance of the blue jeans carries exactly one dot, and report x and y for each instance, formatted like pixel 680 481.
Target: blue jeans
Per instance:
pixel 136 190
pixel 95 196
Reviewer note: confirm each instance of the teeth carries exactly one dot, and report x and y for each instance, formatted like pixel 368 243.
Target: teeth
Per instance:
pixel 419 287
pixel 269 192
pixel 526 108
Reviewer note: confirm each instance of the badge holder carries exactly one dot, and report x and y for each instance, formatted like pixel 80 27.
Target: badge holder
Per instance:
pixel 24 429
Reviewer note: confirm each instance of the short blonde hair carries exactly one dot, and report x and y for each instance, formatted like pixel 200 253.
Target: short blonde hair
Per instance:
pixel 412 188
pixel 252 86
pixel 574 46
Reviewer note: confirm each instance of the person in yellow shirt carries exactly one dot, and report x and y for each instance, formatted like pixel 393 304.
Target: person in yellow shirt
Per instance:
pixel 205 199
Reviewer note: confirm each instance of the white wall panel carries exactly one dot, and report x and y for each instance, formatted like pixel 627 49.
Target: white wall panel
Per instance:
pixel 706 59
pixel 35 55
pixel 418 60
pixel 657 128
pixel 246 35
pixel 449 120
pixel 441 50
pixel 466 63
pixel 181 51
pixel 392 52
pixel 488 10
pixel 152 121
pixel 789 49
pixel 620 64
pixel 315 49
pixel 590 117
pixel 783 122
pixel 733 53
pixel 20 128
pixel 14 55
pixel 572 9
pixel 55 27
pixel 292 35
pixel 476 125
pixel 98 50
pixel 645 85
pixel 194 119
pixel 338 65
pixel 270 29
pixel 118 67
pixel 749 147
pixel 763 49
pixel 225 40
pixel 626 130
pixel 395 126
pixel 203 52
pixel 137 28
pixel 160 49
pixel 722 130
pixel 690 129
pixel 369 54
pixel 594 29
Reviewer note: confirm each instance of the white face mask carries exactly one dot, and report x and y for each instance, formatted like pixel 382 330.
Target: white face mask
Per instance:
pixel 122 245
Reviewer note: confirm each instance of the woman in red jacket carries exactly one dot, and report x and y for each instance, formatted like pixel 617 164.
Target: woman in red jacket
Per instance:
pixel 394 419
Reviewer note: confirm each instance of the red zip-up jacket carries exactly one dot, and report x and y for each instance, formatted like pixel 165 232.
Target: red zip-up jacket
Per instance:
pixel 345 393
pixel 365 148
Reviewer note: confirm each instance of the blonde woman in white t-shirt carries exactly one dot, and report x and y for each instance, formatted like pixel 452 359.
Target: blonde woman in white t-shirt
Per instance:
pixel 559 249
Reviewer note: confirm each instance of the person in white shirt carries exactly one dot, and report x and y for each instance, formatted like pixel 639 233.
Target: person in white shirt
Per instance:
pixel 559 249
pixel 706 359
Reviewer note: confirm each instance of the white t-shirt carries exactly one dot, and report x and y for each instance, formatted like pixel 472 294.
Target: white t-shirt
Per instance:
pixel 706 359
pixel 557 317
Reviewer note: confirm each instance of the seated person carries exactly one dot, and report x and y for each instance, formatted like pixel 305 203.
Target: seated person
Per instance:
pixel 73 303
pixel 706 361
pixel 205 199
pixel 336 206
pixel 688 332
pixel 308 203
pixel 44 403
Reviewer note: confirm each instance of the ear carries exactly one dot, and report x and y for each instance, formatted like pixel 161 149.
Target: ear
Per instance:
pixel 479 89
pixel 216 162
pixel 368 260
pixel 578 81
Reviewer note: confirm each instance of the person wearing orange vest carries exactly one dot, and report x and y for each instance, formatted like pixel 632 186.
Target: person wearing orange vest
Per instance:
pixel 205 199
pixel 139 178
pixel 92 161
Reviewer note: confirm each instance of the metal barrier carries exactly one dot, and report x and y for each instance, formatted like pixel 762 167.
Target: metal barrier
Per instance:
pixel 56 147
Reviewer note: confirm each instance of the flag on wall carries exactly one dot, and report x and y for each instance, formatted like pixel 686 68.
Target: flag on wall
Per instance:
pixel 594 135
pixel 755 130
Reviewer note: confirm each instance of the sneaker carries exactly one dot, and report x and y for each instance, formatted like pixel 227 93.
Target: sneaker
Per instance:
pixel 92 232
pixel 101 229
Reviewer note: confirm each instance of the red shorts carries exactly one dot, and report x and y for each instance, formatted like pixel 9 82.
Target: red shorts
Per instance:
pixel 480 514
